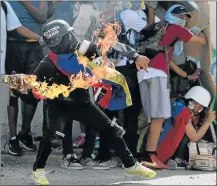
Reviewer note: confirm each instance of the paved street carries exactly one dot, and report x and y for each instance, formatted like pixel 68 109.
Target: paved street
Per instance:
pixel 17 171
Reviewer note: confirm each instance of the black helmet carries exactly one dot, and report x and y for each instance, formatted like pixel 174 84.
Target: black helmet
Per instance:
pixel 181 10
pixel 54 31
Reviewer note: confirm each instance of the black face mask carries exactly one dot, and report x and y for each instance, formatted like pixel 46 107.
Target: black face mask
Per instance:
pixel 67 45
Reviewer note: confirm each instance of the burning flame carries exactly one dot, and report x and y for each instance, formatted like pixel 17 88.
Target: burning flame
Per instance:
pixel 80 80
pixel 110 38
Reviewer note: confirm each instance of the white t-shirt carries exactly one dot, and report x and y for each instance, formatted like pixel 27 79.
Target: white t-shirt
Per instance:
pixel 9 23
pixel 152 72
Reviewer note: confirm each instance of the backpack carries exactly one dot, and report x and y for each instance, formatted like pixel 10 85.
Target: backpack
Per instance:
pixel 150 36
pixel 202 155
pixel 180 85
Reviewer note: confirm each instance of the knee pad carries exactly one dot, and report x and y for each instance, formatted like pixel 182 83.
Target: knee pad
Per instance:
pixel 56 139
pixel 13 101
pixel 117 129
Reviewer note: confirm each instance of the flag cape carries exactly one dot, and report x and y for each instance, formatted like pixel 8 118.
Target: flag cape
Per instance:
pixel 68 64
pixel 173 130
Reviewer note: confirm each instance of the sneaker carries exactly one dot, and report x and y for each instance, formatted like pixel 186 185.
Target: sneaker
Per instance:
pixel 71 162
pixel 111 163
pixel 155 163
pixel 14 147
pixel 178 165
pixel 92 163
pixel 26 142
pixel 140 170
pixel 79 141
pixel 39 177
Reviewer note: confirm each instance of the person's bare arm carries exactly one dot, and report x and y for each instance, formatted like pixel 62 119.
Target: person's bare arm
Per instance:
pixel 198 39
pixel 27 33
pixel 181 72
pixel 151 15
pixel 40 13
pixel 194 135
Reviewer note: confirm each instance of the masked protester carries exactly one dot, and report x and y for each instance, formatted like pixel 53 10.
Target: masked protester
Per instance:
pixel 183 124
pixel 60 39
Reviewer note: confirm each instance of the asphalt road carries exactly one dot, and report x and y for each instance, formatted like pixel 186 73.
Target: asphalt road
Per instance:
pixel 17 171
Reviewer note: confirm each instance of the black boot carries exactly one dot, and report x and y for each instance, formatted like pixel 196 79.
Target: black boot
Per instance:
pixel 14 147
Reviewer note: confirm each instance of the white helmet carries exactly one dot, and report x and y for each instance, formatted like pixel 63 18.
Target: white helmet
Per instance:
pixel 142 14
pixel 200 95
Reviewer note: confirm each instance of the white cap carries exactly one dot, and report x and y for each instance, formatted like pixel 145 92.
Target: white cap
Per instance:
pixel 200 95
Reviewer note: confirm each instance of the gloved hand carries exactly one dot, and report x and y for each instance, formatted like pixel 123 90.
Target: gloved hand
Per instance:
pixel 195 30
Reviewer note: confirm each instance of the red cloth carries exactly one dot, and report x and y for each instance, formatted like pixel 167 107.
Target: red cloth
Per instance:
pixel 173 32
pixel 168 146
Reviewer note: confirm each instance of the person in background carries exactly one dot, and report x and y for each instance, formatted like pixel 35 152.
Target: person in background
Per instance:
pixel 23 56
pixel 194 55
pixel 154 91
pixel 9 22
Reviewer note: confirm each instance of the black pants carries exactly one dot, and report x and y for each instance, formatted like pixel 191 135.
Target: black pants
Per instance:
pixel 67 140
pixel 182 151
pixel 130 125
pixel 89 115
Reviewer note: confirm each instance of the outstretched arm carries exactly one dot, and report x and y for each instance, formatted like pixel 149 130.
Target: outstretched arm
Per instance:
pixel 131 54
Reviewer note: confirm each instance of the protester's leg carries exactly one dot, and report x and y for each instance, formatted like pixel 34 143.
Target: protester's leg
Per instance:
pixel 89 143
pixel 13 63
pixel 12 109
pixel 182 151
pixel 131 120
pixel 57 120
pixel 105 145
pixel 70 160
pixel 12 113
pixel 45 127
pixel 99 121
pixel 33 55
pixel 88 159
pixel 156 105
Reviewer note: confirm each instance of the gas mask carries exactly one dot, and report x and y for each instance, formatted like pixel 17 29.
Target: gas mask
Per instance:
pixel 195 107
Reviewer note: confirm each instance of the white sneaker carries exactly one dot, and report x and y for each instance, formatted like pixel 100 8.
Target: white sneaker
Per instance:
pixel 111 163
pixel 71 162
pixel 39 177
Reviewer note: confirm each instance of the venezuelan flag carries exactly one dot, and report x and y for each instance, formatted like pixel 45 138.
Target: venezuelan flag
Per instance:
pixel 68 64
